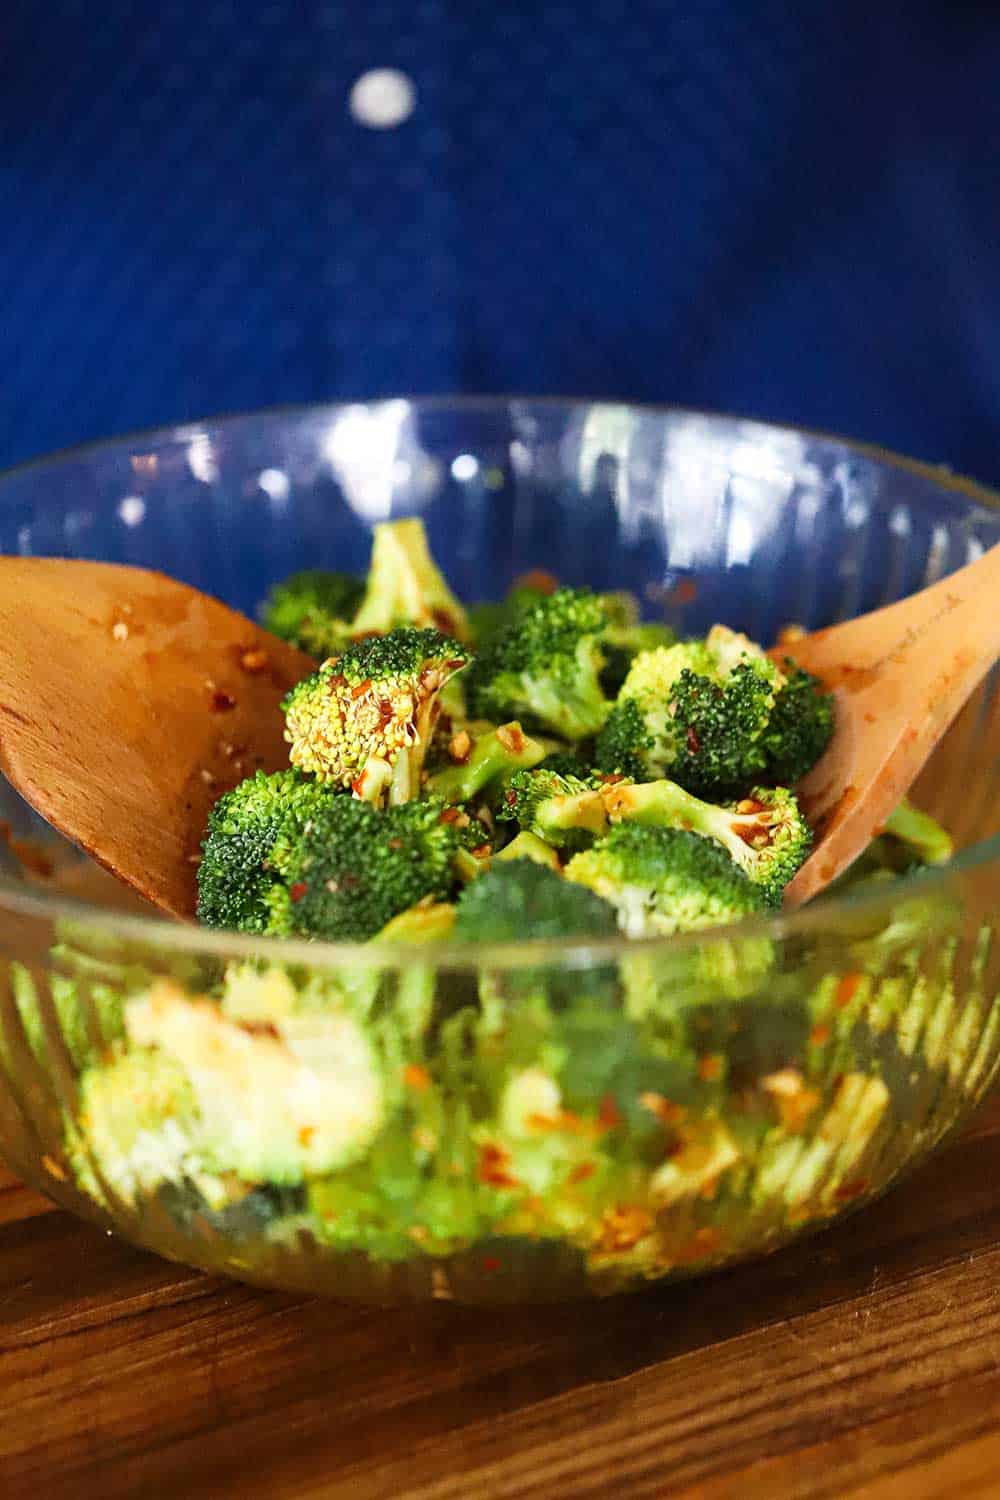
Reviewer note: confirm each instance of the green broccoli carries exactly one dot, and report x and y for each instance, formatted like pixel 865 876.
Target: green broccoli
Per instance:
pixel 313 609
pixel 405 585
pixel 565 811
pixel 799 728
pixel 365 719
pixel 489 618
pixel 545 667
pixel 696 711
pixel 764 833
pixel 665 880
pixel 625 636
pixel 250 831
pixel 480 753
pixel 922 839
pixel 355 867
pixel 428 922
pixel 522 901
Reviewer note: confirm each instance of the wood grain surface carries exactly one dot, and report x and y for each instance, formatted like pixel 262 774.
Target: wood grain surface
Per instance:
pixel 863 1362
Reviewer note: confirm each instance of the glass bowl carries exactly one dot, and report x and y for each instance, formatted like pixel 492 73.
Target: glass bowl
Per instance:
pixel 537 1122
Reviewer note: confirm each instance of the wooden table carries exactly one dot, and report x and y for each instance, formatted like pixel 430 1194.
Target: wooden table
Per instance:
pixel 864 1362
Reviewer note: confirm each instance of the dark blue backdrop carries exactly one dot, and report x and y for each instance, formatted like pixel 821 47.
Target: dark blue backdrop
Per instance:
pixel 769 206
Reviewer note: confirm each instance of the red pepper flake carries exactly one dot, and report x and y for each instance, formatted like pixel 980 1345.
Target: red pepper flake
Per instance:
pixel 444 620
pixel 491 1263
pixel 623 1227
pixel 693 742
pixel 482 851
pixel 703 1242
pixel 846 990
pixel 538 580
pixel 611 779
pixel 460 747
pixel 510 798
pixel 297 891
pixel 384 712
pixel 609 1114
pixel 358 785
pixel 395 844
pixel 417 1078
pixel 493 1167
pixel 222 702
pixel 511 737
pixel 710 1067
pixel 362 688
pixel 749 805
pixel 820 1034
pixel 450 815
pixel 853 1189
pixel 261 1028
pixel 582 1171
pixel 254 661
pixel 665 1110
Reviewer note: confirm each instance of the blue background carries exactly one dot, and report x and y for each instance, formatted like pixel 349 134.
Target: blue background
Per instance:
pixel 774 207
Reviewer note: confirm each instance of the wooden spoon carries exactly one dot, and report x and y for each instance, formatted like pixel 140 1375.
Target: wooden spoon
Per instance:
pixel 900 676
pixel 129 703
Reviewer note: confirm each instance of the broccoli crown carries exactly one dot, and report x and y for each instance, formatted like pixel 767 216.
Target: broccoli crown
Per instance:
pixel 697 711
pixel 250 831
pixel 565 811
pixel 545 666
pixel 312 609
pixel 521 900
pixel 355 867
pixel 665 880
pixel 799 728
pixel 765 833
pixel 378 698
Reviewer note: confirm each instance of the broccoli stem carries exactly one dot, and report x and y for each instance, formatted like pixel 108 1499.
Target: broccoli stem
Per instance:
pixel 664 804
pixel 507 748
pixel 928 840
pixel 583 811
pixel 530 846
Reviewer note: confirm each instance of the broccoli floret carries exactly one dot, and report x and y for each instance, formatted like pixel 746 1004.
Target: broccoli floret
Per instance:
pixel 764 833
pixel 696 711
pixel 313 609
pixel 405 585
pixel 565 811
pixel 665 880
pixel 625 637
pixel 250 831
pixel 523 901
pixel 487 619
pixel 355 867
pixel 799 728
pixel 483 753
pixel 545 667
pixel 365 719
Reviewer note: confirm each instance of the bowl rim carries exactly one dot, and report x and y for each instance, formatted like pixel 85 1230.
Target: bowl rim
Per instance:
pixel 165 933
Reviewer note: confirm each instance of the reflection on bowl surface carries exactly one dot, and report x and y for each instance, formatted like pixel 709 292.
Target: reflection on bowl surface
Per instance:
pixel 516 1126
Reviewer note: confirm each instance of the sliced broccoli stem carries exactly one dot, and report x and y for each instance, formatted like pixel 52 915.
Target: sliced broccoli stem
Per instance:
pixel 530 846
pixel 506 748
pixel 925 837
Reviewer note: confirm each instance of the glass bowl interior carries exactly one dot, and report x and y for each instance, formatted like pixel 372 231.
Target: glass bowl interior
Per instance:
pixel 705 519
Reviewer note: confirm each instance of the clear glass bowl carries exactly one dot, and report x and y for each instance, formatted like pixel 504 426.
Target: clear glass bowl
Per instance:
pixel 530 1123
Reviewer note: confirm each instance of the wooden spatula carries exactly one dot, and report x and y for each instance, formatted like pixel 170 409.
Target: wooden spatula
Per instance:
pixel 129 703
pixel 900 676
